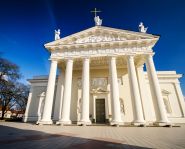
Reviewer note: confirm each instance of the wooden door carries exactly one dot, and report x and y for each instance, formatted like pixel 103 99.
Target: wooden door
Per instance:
pixel 100 110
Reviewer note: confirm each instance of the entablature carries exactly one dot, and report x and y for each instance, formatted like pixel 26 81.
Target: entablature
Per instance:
pixel 91 53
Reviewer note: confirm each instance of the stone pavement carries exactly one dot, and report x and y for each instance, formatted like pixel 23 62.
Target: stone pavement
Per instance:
pixel 23 135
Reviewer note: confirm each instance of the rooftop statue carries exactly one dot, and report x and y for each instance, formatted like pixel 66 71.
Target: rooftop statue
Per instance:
pixel 57 34
pixel 142 28
pixel 98 21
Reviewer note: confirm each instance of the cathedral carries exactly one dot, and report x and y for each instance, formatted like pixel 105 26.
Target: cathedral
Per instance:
pixel 101 80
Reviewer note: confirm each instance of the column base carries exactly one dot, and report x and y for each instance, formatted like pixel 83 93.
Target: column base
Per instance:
pixel 44 122
pixel 139 124
pixel 25 119
pixel 116 123
pixel 84 123
pixel 64 122
pixel 163 124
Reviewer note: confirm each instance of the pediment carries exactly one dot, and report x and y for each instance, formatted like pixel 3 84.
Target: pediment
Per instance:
pixel 98 38
pixel 99 34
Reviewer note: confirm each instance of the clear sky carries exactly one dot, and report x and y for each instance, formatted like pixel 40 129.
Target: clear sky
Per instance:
pixel 26 25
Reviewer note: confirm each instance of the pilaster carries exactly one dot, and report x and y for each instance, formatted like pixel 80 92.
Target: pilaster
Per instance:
pixel 25 118
pixel 180 98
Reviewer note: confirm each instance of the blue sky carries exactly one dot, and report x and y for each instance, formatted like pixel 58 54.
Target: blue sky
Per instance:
pixel 26 25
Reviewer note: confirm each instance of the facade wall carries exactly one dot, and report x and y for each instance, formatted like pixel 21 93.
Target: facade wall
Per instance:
pixel 174 105
pixel 33 108
pixel 167 85
pixel 125 95
pixel 146 99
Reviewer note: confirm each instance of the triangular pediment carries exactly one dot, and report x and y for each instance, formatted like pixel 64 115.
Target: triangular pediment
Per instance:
pixel 99 34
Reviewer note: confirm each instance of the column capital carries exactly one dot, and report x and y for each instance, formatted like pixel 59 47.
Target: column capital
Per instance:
pixel 130 56
pixel 149 55
pixel 176 83
pixel 42 95
pixel 141 66
pixel 69 59
pixel 112 57
pixel 86 58
pixel 53 60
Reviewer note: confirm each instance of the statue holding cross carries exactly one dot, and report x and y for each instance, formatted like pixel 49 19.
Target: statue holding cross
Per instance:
pixel 98 21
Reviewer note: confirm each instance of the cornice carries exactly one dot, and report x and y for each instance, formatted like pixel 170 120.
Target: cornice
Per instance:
pixel 105 44
pixel 166 74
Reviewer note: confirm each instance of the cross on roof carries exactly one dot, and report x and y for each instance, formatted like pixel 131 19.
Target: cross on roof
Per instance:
pixel 95 11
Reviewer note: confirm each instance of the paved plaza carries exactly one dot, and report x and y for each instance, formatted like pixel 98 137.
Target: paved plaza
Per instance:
pixel 24 135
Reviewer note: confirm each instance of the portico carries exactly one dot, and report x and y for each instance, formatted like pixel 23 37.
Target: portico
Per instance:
pixel 99 48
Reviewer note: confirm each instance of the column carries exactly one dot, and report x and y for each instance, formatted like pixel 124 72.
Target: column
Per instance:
pixel 85 94
pixel 65 117
pixel 180 98
pixel 116 113
pixel 59 96
pixel 134 90
pixel 147 104
pixel 160 112
pixel 109 99
pixel 46 118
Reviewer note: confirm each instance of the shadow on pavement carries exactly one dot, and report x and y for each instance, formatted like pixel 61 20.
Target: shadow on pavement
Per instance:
pixel 11 137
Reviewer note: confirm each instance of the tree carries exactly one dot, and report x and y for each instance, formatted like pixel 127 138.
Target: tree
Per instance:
pixel 21 96
pixel 12 93
pixel 8 70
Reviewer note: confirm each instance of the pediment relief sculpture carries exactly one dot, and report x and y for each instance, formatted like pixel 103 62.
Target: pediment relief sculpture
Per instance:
pixel 98 90
pixel 165 92
pixel 99 38
pixel 95 82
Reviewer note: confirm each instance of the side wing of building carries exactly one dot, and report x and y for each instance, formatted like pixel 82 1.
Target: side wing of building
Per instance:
pixel 100 89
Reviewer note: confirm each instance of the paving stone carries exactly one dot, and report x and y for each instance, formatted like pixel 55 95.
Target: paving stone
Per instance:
pixel 29 136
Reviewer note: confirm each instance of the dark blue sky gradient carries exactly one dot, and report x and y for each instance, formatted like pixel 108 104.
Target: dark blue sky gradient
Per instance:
pixel 26 25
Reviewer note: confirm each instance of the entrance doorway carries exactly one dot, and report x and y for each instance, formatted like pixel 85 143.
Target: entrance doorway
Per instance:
pixel 100 110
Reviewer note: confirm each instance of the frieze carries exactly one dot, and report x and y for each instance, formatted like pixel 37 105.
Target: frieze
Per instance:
pixel 98 82
pixel 95 82
pixel 98 52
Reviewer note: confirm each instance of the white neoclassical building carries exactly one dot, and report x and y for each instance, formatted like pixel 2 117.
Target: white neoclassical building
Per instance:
pixel 101 80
